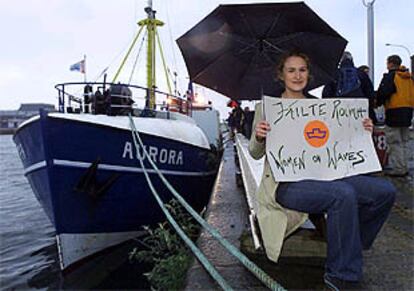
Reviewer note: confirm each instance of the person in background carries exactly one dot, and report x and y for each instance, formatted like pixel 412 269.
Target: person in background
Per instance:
pixel 396 93
pixel 351 82
pixel 364 68
pixel 237 118
pixel 230 123
pixel 247 122
pixel 87 98
pixel 356 206
pixel 229 119
pixel 97 102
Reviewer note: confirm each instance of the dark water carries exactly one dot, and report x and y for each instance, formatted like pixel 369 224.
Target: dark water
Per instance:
pixel 28 251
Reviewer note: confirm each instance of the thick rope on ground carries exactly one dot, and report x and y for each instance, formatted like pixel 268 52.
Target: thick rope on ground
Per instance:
pixel 252 267
pixel 200 256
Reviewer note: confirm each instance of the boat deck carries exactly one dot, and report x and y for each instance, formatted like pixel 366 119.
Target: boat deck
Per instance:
pixel 389 265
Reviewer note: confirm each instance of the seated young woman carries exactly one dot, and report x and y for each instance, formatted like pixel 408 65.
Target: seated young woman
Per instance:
pixel 356 206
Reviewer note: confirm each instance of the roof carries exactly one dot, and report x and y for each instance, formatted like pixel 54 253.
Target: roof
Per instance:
pixel 27 110
pixel 36 107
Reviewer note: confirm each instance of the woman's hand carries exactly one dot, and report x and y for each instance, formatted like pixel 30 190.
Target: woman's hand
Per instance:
pixel 261 129
pixel 368 125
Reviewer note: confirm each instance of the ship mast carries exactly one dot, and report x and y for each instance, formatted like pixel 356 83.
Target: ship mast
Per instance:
pixel 151 24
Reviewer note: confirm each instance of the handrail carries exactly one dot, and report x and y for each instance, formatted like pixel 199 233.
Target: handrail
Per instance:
pixel 71 91
pixel 115 84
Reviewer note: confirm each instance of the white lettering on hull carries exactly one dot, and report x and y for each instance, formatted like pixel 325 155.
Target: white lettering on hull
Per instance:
pixel 158 155
pixel 127 151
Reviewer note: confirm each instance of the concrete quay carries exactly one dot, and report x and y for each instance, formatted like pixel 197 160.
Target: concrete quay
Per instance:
pixel 228 213
pixel 388 265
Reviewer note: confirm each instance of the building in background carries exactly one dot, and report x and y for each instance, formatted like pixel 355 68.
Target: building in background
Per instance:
pixel 11 119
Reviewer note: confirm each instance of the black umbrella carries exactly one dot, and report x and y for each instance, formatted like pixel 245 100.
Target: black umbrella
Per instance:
pixel 234 50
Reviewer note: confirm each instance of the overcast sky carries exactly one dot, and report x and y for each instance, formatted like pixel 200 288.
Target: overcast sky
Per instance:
pixel 42 38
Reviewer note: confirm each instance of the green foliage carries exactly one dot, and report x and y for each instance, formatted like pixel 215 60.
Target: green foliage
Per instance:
pixel 169 273
pixel 165 250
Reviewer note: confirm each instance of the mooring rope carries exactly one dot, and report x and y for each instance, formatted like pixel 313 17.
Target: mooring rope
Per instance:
pixel 200 256
pixel 252 267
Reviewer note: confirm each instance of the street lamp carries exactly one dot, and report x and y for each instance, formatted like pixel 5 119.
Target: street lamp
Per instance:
pixel 400 45
pixel 370 27
pixel 408 52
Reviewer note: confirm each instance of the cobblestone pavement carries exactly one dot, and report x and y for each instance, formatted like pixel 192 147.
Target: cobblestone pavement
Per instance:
pixel 389 265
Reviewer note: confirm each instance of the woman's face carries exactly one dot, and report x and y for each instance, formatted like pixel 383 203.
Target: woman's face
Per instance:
pixel 295 74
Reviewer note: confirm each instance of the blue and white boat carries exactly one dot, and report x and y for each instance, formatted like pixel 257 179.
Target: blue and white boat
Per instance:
pixel 82 163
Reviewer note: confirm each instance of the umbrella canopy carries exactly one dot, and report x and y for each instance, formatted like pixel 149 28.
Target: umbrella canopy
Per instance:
pixel 235 49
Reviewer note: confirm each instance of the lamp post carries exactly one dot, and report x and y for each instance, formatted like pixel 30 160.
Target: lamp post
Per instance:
pixel 408 52
pixel 370 35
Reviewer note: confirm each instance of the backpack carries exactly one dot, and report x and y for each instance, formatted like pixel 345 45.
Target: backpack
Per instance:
pixel 348 84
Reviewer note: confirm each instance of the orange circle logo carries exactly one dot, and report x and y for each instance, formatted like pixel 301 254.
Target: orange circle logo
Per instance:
pixel 316 133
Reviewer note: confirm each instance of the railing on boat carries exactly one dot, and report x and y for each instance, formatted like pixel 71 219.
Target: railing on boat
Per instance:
pixel 116 99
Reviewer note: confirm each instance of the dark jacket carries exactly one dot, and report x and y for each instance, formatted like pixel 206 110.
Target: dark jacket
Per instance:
pixel 394 117
pixel 364 90
pixel 308 95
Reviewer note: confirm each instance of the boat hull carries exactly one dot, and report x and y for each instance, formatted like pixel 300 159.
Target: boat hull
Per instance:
pixel 88 179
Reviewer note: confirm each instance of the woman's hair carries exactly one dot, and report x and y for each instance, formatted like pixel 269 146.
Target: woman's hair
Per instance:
pixel 287 55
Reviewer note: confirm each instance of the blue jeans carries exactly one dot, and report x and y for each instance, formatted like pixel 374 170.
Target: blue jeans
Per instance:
pixel 356 208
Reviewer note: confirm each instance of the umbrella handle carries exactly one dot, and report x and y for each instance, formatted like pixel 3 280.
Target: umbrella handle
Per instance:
pixel 263 107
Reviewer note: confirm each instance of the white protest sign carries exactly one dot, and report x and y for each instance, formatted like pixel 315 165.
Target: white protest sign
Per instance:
pixel 319 139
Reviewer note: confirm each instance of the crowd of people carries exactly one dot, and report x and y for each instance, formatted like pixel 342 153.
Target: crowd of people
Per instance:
pixel 240 121
pixel 116 100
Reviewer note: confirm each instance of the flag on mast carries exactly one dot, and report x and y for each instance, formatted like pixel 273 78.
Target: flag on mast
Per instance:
pixel 79 66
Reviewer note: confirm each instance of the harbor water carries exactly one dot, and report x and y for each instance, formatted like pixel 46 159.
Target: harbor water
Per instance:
pixel 28 251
